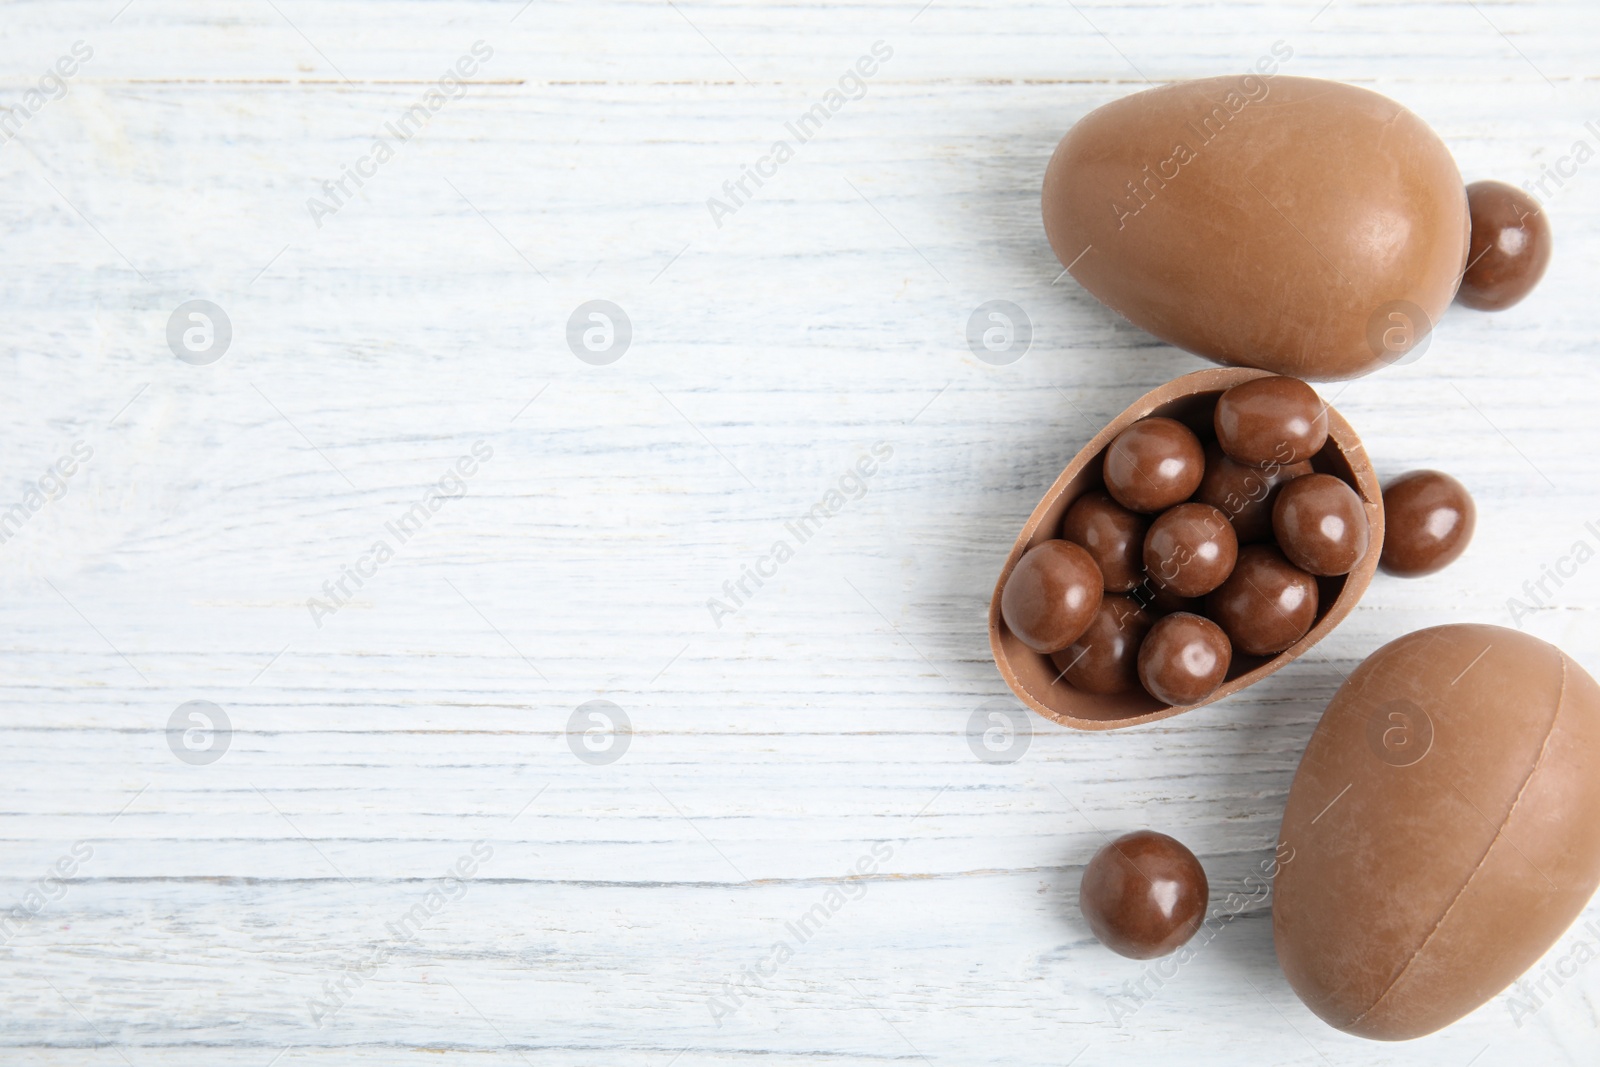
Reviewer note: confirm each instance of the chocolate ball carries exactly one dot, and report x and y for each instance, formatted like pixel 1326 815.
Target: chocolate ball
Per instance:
pixel 1154 464
pixel 1052 595
pixel 1184 658
pixel 1159 601
pixel 1271 420
pixel 1428 518
pixel 1267 603
pixel 1321 525
pixel 1106 658
pixel 1244 493
pixel 1144 895
pixel 1190 549
pixel 1113 535
pixel 1510 246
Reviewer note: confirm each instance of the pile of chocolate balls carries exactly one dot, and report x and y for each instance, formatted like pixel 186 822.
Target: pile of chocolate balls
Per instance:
pixel 1196 550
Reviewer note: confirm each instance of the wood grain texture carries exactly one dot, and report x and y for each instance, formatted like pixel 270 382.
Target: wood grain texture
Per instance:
pixel 770 754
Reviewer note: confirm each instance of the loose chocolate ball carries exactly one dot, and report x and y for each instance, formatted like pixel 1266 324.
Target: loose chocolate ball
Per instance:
pixel 1271 420
pixel 1052 595
pixel 1510 246
pixel 1113 535
pixel 1184 658
pixel 1154 464
pixel 1244 493
pixel 1428 520
pixel 1106 658
pixel 1267 603
pixel 1144 895
pixel 1190 549
pixel 1321 525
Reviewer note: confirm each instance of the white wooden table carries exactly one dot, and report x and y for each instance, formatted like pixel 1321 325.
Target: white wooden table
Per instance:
pixel 397 853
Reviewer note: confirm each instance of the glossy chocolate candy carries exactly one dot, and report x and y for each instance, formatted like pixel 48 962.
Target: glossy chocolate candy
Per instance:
pixel 1113 535
pixel 1159 601
pixel 1321 525
pixel 1144 895
pixel 1277 421
pixel 1105 659
pixel 1243 493
pixel 1190 549
pixel 1267 603
pixel 1430 518
pixel 1510 246
pixel 1184 658
pixel 1052 595
pixel 1154 464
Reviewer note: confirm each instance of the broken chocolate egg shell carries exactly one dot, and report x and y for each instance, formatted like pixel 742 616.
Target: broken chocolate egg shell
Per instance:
pixel 1189 399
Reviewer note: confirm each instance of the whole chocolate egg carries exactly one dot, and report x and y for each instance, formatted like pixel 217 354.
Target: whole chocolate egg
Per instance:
pixel 1442 831
pixel 1297 225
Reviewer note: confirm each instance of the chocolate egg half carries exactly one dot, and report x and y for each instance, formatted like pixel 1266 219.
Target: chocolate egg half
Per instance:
pixel 1443 829
pixel 1271 222
pixel 1038 682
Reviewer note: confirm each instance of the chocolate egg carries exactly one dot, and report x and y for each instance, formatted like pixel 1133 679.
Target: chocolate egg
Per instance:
pixel 1442 831
pixel 1271 222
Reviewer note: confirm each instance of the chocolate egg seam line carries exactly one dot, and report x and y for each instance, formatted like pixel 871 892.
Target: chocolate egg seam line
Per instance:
pixel 1499 834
